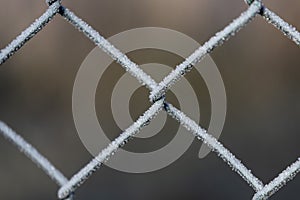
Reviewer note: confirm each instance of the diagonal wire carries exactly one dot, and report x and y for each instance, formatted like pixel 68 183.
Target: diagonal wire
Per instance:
pixel 216 146
pixel 210 45
pixel 132 67
pixel 29 33
pixel 108 48
pixel 287 29
pixel 32 154
pixel 157 92
pixel 281 180
pixel 115 54
pixel 95 36
pixel 105 154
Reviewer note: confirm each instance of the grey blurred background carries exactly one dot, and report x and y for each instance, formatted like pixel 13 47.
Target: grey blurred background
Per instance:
pixel 259 66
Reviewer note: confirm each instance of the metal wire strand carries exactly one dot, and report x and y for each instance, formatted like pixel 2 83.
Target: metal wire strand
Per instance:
pixel 210 45
pixel 32 154
pixel 107 47
pixel 156 95
pixel 281 180
pixel 287 29
pixel 216 146
pixel 80 177
pixel 29 33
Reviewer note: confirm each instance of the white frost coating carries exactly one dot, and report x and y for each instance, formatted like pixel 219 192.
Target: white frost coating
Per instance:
pixel 281 180
pixel 26 35
pixel 105 154
pixel 108 48
pixel 32 154
pixel 157 91
pixel 216 146
pixel 283 26
pixel 211 44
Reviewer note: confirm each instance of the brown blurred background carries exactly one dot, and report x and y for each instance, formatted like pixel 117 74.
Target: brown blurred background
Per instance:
pixel 259 66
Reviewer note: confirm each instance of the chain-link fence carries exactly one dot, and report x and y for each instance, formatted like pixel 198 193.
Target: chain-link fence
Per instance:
pixel 157 97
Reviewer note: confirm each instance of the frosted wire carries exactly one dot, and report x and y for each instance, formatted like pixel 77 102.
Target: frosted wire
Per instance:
pixel 32 154
pixel 78 179
pixel 105 154
pixel 279 181
pixel 216 146
pixel 157 92
pixel 30 32
pixel 211 44
pixel 279 23
pixel 283 26
pixel 112 51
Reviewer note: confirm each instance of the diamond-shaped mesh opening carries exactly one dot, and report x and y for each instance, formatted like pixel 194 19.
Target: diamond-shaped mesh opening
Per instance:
pixel 157 93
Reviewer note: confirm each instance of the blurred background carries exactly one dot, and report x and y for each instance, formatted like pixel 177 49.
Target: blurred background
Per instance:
pixel 259 66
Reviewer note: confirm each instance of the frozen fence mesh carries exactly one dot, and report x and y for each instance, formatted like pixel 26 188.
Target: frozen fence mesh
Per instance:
pixel 157 93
